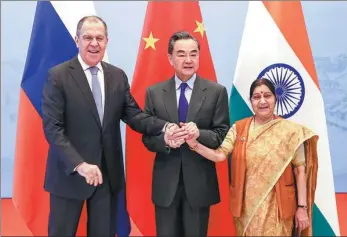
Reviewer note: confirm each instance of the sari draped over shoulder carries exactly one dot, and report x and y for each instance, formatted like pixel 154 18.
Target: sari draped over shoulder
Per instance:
pixel 262 194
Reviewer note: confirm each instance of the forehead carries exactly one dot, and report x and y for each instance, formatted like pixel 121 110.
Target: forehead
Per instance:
pixel 92 27
pixel 261 89
pixel 186 45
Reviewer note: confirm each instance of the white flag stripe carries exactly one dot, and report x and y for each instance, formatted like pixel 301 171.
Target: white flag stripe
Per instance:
pixel 70 12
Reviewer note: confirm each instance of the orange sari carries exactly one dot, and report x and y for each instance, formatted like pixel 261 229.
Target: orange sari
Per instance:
pixel 270 149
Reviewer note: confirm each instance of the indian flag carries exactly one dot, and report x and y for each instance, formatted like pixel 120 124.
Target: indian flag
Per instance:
pixel 275 46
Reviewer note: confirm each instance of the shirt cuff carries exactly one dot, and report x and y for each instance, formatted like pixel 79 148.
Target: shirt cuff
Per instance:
pixel 164 128
pixel 77 166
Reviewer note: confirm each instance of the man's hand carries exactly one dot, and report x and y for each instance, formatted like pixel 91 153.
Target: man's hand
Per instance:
pixel 174 135
pixel 192 129
pixel 91 173
pixel 193 133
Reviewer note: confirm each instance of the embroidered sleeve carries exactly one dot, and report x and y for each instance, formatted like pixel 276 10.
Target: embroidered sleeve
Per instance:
pixel 299 157
pixel 228 144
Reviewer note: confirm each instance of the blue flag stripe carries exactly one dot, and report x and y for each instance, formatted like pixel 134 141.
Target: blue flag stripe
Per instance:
pixel 50 44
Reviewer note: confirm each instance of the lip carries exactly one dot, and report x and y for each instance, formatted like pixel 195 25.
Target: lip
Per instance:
pixel 263 109
pixel 93 50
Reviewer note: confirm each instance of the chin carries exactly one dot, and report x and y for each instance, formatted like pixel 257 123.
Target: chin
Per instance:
pixel 264 114
pixel 93 62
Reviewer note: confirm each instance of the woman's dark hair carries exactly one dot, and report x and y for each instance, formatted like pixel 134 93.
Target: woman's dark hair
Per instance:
pixel 259 82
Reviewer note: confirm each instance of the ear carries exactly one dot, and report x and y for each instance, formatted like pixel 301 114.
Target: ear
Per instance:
pixel 77 40
pixel 169 56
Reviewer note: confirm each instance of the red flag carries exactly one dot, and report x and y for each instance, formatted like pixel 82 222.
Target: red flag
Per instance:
pixel 162 20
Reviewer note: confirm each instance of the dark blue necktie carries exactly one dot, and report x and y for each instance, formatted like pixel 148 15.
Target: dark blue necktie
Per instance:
pixel 183 104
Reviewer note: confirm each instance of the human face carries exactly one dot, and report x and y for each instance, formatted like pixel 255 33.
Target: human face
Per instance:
pixel 185 58
pixel 92 42
pixel 263 102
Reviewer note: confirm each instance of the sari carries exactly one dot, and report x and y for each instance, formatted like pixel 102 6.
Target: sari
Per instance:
pixel 270 149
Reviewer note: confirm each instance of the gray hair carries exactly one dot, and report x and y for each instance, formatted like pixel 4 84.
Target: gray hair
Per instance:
pixel 179 36
pixel 91 19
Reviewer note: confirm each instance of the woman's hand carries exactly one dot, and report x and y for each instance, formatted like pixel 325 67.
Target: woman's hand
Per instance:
pixel 192 143
pixel 301 219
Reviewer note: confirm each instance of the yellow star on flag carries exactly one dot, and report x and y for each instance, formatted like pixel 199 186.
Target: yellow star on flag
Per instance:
pixel 150 41
pixel 200 28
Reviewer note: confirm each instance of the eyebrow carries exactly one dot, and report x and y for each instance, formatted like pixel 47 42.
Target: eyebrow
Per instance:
pixel 266 92
pixel 182 51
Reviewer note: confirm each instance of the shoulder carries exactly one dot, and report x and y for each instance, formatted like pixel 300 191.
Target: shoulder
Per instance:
pixel 160 85
pixel 211 84
pixel 112 68
pixel 295 128
pixel 243 121
pixel 289 125
pixel 242 124
pixel 61 67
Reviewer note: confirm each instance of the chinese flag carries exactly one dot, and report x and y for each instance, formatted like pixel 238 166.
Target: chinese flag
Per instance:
pixel 162 20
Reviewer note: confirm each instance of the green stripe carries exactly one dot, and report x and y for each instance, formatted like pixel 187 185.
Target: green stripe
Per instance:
pixel 238 107
pixel 239 110
pixel 320 225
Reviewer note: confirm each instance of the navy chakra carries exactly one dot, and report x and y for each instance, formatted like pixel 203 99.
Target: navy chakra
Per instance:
pixel 290 88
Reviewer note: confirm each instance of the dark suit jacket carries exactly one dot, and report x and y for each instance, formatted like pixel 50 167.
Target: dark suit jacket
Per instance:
pixel 73 129
pixel 208 108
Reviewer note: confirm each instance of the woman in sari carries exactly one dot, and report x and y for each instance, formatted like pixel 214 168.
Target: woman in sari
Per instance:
pixel 273 169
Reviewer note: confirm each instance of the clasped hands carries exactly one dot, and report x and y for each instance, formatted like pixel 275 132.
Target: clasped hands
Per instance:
pixel 176 135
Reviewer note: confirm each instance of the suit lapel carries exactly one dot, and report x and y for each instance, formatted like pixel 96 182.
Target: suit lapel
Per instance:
pixel 108 94
pixel 196 100
pixel 170 100
pixel 79 76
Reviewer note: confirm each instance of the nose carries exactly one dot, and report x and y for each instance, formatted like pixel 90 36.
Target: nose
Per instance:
pixel 188 59
pixel 94 42
pixel 262 100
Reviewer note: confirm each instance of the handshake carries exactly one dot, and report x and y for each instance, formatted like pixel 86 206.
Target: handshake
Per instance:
pixel 175 135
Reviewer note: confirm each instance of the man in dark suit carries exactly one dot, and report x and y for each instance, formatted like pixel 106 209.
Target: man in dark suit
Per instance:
pixel 84 100
pixel 185 184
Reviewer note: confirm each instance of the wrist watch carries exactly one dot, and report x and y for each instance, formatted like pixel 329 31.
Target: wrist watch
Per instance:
pixel 302 206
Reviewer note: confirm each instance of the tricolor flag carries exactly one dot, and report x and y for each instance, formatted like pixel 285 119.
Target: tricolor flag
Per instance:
pixel 52 42
pixel 164 18
pixel 275 45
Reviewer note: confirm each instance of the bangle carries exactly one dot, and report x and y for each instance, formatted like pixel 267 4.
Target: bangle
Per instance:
pixel 194 148
pixel 302 206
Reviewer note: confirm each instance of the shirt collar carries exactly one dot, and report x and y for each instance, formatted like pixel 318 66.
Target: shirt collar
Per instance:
pixel 86 66
pixel 190 82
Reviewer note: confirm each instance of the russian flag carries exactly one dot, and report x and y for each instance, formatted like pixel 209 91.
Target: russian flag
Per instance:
pixel 51 43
